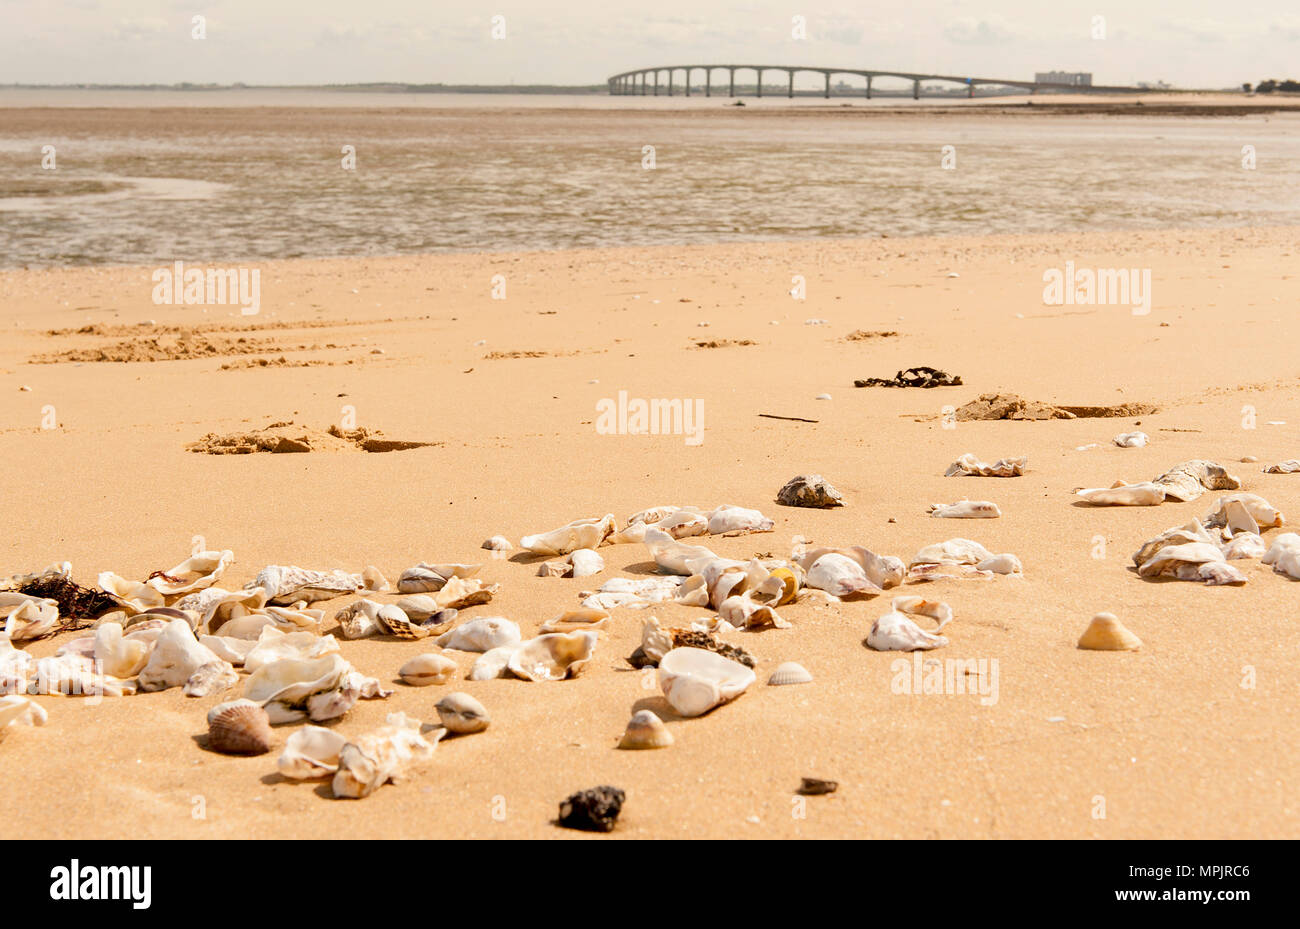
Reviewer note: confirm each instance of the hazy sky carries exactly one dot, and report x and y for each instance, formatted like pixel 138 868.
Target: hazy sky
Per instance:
pixel 1185 42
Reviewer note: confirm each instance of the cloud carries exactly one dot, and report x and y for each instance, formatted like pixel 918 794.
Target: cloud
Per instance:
pixel 969 31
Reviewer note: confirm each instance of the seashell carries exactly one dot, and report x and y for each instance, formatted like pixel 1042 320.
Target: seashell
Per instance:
pixel 555 569
pixel 748 611
pixel 216 607
pixel 1132 439
pixel 1245 545
pixel 1006 563
pixel 247 628
pixel 27 618
pixel 311 752
pixel 884 571
pixel 653 514
pixel 274 645
pixel 283 687
pixel 194 573
pixel 480 635
pixel 791 672
pixel 361 618
pixel 296 616
pixel 586 562
pixel 461 713
pixel 17 710
pixel 839 575
pixel 492 663
pixel 680 524
pixel 1290 466
pixel 1106 633
pixel 675 557
pixel 120 656
pixel 397 623
pixel 553 656
pixel 790 583
pixel 728 518
pixel 239 727
pixel 227 648
pixel 421 608
pixel 82 645
pixel 970 466
pixel 655 641
pixel 134 596
pixel 810 490
pixel 952 551
pixel 423 670
pixel 287 584
pixel 573 620
pixel 1168 559
pixel 581 533
pixel 695 681
pixel 1187 480
pixel 645 730
pixel 1284 555
pixel 1192 532
pixel 965 509
pixel 163 614
pixel 1146 493
pixel 176 655
pixel 498 543
pixel 594 810
pixel 373 579
pixel 58 569
pixel 74 676
pixel 460 593
pixel 420 579
pixel 211 678
pixel 919 606
pixel 1256 508
pixel 895 632
pixel 377 757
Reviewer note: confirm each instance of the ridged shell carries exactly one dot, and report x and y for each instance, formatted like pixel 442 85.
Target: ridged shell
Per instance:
pixel 240 727
pixel 423 670
pixel 645 730
pixel 461 713
pixel 1106 633
pixel 790 673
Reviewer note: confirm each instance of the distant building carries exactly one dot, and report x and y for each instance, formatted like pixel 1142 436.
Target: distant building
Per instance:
pixel 1074 78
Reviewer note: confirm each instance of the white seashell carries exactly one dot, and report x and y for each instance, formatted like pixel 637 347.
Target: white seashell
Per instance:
pixel 384 755
pixel 1284 555
pixel 480 635
pixel 120 656
pixel 1192 561
pixel 840 575
pixel 576 620
pixel 1107 633
pixel 373 579
pixel 586 563
pixel 953 551
pixel 17 710
pixel 287 584
pixel 176 655
pixel 134 596
pixel 1187 480
pixel 1006 563
pixel 965 509
pixel 492 663
pixel 791 672
pixel 311 752
pixel 423 670
pixel 297 616
pixel 83 646
pixel 27 618
pixel 969 465
pixel 274 645
pixel 675 557
pixel 553 656
pixel 239 727
pixel 227 648
pixel 361 618
pixel 655 641
pixel 74 676
pixel 283 687
pixel 884 571
pixel 581 533
pixel 738 519
pixel 420 579
pixel 695 681
pixel 1246 545
pixel 194 573
pixel 1121 494
pixel 1192 532
pixel 216 607
pixel 246 628
pixel 1259 511
pixel 459 593
pixel 653 514
pixel 461 713
pixel 498 543
pixel 895 632
pixel 935 609
pixel 680 524
pixel 1132 439
pixel 1290 466
pixel 645 730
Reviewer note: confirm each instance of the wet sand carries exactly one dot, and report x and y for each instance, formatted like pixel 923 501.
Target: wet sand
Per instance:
pixel 1167 736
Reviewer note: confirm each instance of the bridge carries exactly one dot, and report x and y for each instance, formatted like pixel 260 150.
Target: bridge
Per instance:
pixel 626 83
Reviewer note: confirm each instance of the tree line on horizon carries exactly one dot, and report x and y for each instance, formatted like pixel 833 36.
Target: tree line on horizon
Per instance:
pixel 1269 86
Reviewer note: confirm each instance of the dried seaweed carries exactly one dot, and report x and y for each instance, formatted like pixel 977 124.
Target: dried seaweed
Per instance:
pixel 77 605
pixel 921 376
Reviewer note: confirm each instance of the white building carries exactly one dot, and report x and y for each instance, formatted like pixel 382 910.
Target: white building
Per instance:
pixel 1074 78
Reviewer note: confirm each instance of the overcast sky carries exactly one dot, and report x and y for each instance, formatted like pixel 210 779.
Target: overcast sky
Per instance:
pixel 1190 43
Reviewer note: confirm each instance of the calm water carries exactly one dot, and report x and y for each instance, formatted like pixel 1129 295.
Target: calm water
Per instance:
pixel 148 178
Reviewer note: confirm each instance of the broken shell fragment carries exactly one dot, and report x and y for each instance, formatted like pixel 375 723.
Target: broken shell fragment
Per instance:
pixel 1146 493
pixel 816 787
pixel 423 670
pixel 498 543
pixel 586 562
pixel 27 618
pixel 240 727
pixel 211 678
pixel 895 632
pixel 644 731
pixel 375 758
pixel 970 466
pixel 492 663
pixel 581 533
pixel 553 656
pixel 17 710
pixel 965 509
pixel 1132 439
pixel 462 714
pixel 480 635
pixel 791 672
pixel 287 584
pixel 176 656
pixel 810 490
pixel 695 681
pixel 311 752
pixel 1187 480
pixel 1106 633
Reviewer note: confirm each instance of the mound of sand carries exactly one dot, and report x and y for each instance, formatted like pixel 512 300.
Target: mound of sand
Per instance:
pixel 1012 406
pixel 183 347
pixel 285 438
pixel 862 335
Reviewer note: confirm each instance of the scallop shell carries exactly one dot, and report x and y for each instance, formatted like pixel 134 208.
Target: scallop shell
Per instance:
pixel 791 672
pixel 461 713
pixel 581 533
pixel 423 670
pixel 811 490
pixel 695 680
pixel 239 727
pixel 311 752
pixel 645 730
pixel 377 757
pixel 1107 633
pixel 194 573
pixel 552 657
pixel 481 635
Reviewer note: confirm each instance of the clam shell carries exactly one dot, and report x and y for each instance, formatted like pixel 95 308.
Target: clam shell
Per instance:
pixel 645 730
pixel 481 635
pixel 239 727
pixel 576 620
pixel 373 579
pixel 423 670
pixel 311 752
pixel 1106 633
pixel 791 672
pixel 134 596
pixel 461 713
pixel 695 680
pixel 553 656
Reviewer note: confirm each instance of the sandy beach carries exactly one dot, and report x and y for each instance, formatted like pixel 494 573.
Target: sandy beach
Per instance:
pixel 1167 736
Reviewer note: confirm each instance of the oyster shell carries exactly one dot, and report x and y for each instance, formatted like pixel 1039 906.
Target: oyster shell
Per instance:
pixel 727 518
pixel 27 618
pixel 1290 466
pixel 176 655
pixel 216 606
pixel 695 681
pixel 810 490
pixel 575 620
pixel 211 678
pixel 285 687
pixel 1146 493
pixel 492 663
pixel 840 576
pixel 287 584
pixel 1187 480
pixel 1259 511
pixel 311 752
pixel 481 635
pixel 969 465
pixel 965 509
pixel 17 710
pixel 581 533
pixel 274 645
pixel 375 758
pixel 553 656
pixel 134 596
pixel 194 573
